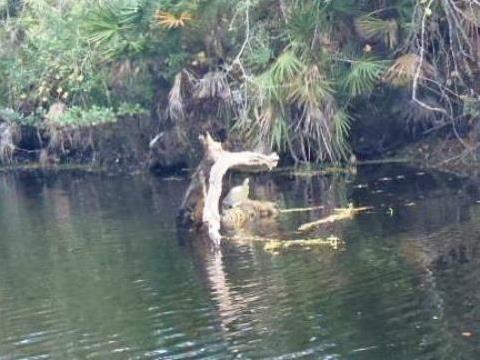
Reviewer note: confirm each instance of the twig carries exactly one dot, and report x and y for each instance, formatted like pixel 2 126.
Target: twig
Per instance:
pixel 418 70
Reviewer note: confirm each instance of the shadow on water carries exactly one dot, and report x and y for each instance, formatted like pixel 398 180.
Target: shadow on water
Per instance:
pixel 93 267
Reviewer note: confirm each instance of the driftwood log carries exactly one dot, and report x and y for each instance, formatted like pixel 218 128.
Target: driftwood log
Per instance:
pixel 200 206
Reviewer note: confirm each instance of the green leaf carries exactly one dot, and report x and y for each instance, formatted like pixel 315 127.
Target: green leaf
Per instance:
pixel 364 75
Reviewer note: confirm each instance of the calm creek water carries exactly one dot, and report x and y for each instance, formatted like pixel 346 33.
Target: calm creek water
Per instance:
pixel 92 267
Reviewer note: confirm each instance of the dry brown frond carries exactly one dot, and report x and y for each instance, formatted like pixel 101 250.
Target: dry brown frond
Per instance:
pixel 315 129
pixel 175 102
pixel 266 119
pixel 172 21
pixel 371 28
pixel 311 88
pixel 182 85
pixel 213 85
pixel 7 146
pixel 404 69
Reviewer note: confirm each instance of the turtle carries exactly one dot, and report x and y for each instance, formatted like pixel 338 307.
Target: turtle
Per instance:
pixel 237 195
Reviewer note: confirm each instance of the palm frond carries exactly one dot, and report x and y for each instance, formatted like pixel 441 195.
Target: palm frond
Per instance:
pixel 404 68
pixel 363 76
pixel 302 22
pixel 213 85
pixel 272 81
pixel 116 27
pixel 310 88
pixel 104 24
pixel 182 85
pixel 172 21
pixel 213 88
pixel 372 28
pixel 259 53
pixel 341 129
pixel 266 87
pixel 273 128
pixel 286 67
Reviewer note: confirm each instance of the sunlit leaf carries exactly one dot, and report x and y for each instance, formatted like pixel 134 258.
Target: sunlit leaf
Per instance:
pixel 172 21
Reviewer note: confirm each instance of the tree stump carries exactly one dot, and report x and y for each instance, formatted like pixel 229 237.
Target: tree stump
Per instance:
pixel 200 206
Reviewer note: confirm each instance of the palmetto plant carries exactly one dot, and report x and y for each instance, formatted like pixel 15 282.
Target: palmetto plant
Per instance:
pixel 373 28
pixel 296 111
pixel 364 76
pixel 404 68
pixel 288 75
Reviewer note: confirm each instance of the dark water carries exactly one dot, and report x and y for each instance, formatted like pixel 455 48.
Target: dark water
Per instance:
pixel 92 267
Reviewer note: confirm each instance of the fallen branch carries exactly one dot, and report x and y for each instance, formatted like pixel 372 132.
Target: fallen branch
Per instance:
pixel 201 202
pixel 312 208
pixel 339 215
pixel 276 244
pixel 229 160
pixel 332 241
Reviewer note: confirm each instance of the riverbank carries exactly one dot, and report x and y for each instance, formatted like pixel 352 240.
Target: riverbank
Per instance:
pixel 137 144
pixel 129 145
pixel 459 156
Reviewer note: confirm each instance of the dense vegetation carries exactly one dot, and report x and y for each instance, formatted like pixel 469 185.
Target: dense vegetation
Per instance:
pixel 308 78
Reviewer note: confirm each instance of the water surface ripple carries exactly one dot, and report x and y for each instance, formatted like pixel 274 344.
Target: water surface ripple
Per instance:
pixel 92 267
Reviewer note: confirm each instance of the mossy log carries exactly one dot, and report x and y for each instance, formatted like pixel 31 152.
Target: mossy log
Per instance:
pixel 201 204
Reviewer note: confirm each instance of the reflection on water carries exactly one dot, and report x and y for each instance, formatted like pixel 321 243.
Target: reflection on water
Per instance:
pixel 93 267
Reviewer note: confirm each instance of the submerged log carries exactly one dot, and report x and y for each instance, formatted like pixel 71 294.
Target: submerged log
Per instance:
pixel 200 206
